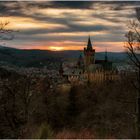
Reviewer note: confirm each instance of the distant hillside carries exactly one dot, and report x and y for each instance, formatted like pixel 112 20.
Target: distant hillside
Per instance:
pixel 113 56
pixel 37 58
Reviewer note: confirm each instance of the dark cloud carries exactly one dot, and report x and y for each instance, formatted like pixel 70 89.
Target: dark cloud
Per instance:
pixel 113 13
pixel 73 28
pixel 121 5
pixel 138 13
pixel 17 7
pixel 114 5
pixel 64 4
pixel 11 9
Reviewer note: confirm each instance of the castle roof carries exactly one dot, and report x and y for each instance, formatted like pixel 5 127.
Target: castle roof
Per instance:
pixel 89 45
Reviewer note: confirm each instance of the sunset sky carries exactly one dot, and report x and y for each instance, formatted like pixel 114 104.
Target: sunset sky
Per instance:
pixel 61 25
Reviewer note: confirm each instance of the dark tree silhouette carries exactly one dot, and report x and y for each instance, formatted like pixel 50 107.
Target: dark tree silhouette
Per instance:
pixel 133 51
pixel 5 33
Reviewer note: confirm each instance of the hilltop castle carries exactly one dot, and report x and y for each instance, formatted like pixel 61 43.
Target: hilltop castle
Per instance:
pixel 88 61
pixel 88 68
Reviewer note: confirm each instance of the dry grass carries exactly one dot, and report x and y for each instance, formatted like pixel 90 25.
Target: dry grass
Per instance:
pixel 68 134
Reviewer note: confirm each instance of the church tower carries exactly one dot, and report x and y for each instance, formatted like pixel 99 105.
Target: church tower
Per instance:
pixel 89 54
pixel 80 62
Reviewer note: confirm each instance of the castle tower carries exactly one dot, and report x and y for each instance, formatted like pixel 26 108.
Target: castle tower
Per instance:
pixel 80 62
pixel 89 54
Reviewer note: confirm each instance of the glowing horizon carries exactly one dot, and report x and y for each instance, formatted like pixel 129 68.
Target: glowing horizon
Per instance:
pixel 107 45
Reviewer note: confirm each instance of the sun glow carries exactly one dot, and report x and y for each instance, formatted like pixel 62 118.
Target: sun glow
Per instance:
pixel 54 48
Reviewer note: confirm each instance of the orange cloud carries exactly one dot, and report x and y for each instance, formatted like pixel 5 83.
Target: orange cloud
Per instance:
pixel 23 23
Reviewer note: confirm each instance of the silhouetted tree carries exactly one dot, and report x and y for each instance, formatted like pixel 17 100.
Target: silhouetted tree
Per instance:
pixel 9 106
pixel 133 51
pixel 26 94
pixel 8 96
pixel 5 33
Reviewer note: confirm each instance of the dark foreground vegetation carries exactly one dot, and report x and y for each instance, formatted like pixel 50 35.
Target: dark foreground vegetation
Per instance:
pixel 30 109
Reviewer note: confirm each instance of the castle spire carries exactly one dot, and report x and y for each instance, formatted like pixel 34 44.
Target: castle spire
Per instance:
pixel 89 45
pixel 89 54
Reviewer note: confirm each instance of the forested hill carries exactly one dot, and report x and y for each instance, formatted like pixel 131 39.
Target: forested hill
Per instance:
pixel 35 58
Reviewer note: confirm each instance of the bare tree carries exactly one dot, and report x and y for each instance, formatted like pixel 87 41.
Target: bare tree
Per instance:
pixel 8 90
pixel 18 96
pixel 9 105
pixel 5 33
pixel 133 51
pixel 26 94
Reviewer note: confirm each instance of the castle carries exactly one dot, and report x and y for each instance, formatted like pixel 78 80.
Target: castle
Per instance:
pixel 89 61
pixel 88 68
